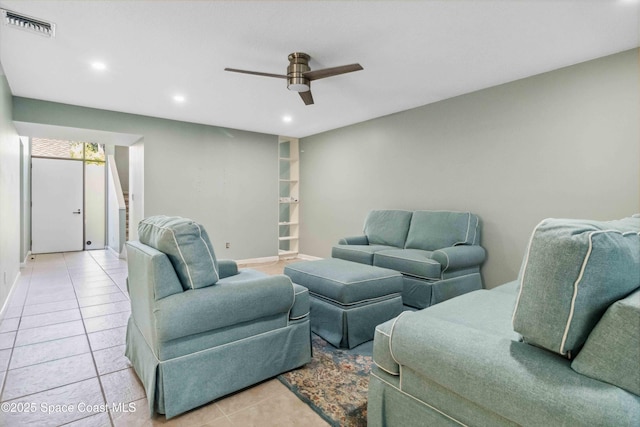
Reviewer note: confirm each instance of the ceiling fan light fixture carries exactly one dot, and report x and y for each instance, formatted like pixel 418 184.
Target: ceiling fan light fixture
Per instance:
pixel 298 84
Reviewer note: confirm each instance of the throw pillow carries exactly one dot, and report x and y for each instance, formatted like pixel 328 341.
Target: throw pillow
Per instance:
pixel 187 245
pixel 612 351
pixel 572 272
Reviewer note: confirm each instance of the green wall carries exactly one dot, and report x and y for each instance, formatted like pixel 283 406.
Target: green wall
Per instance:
pixel 560 144
pixel 225 179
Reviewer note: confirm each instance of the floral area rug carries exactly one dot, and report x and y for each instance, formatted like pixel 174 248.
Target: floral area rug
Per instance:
pixel 334 383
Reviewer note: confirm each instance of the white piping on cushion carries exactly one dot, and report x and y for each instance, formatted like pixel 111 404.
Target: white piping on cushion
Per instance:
pixel 524 271
pixel 395 374
pixel 213 263
pixel 419 401
pixel 393 326
pixel 446 256
pixel 577 282
pixel 338 281
pixel 182 257
pixel 177 246
pixel 425 261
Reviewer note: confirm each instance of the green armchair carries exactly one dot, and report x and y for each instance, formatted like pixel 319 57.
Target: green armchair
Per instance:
pixel 200 328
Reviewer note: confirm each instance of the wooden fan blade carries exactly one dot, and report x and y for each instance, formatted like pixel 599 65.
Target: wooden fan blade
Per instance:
pixel 256 73
pixel 333 71
pixel 306 97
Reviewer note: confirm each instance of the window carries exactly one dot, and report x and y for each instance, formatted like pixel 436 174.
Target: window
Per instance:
pixel 58 148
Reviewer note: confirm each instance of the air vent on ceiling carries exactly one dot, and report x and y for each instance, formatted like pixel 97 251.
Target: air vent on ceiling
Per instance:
pixel 28 23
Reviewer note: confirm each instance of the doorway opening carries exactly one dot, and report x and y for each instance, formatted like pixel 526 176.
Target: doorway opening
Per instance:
pixel 68 195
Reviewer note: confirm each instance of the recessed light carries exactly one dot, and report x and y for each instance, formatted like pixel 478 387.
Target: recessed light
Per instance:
pixel 99 66
pixel 179 98
pixel 287 119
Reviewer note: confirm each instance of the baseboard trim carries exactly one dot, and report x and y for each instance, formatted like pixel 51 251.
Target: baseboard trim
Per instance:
pixel 5 304
pixel 308 257
pixel 23 264
pixel 257 260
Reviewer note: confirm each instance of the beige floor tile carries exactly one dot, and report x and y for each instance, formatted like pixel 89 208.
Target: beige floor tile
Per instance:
pixel 83 284
pixel 104 309
pixel 48 351
pixel 102 299
pixel 49 307
pixel 46 319
pixel 44 376
pixel 251 396
pixel 102 290
pixel 13 311
pixel 5 355
pixel 9 325
pixel 122 387
pixel 280 411
pixel 49 332
pixel 107 338
pixel 97 420
pixel 110 321
pixel 111 360
pixel 7 339
pixel 71 396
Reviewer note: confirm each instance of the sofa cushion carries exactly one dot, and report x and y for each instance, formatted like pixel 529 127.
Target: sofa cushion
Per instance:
pixel 387 227
pixel 612 351
pixel 431 230
pixel 413 262
pixel 187 245
pixel 572 271
pixel 362 254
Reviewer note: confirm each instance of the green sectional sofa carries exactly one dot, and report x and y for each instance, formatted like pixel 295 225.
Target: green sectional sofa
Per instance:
pixel 437 252
pixel 200 328
pixel 559 346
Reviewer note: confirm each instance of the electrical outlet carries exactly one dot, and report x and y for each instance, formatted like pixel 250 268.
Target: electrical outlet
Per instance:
pixel 227 245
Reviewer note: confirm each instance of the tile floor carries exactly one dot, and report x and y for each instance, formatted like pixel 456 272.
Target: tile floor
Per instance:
pixel 62 355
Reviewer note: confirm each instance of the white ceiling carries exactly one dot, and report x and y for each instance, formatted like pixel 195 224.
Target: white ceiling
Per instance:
pixel 413 53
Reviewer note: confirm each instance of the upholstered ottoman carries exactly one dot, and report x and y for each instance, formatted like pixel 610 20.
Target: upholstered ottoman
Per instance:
pixel 348 299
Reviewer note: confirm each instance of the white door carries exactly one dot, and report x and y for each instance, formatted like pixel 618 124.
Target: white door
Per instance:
pixel 57 202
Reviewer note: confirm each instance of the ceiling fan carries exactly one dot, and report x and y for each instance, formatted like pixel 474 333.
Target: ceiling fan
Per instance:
pixel 299 76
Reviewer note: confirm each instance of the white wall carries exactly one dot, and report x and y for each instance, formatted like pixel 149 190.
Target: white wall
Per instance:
pixel 121 155
pixel 561 144
pixel 9 193
pixel 136 188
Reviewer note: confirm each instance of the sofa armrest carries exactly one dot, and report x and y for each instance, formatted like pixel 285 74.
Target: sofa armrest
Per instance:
pixel 222 305
pixel 301 305
pixel 227 268
pixel 354 240
pixel 459 256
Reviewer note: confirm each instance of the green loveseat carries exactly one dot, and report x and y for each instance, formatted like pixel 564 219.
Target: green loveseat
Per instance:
pixel 199 328
pixel 558 347
pixel 437 252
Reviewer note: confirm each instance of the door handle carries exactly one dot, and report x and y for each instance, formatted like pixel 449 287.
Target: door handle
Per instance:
pixel 76 212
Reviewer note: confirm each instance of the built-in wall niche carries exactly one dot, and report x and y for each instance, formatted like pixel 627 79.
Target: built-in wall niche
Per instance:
pixel 289 190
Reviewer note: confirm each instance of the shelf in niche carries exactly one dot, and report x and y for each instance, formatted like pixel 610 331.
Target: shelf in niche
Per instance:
pixel 287 223
pixel 282 239
pixel 288 180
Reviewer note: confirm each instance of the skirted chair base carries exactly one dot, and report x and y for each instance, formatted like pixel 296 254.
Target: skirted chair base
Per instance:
pixel 217 371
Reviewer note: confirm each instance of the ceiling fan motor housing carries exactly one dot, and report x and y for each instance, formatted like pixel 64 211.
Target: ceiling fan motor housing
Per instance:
pixel 298 64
